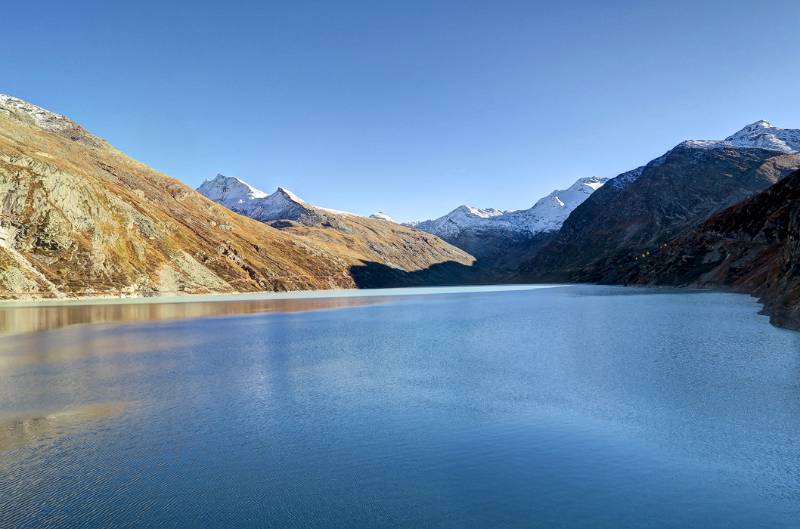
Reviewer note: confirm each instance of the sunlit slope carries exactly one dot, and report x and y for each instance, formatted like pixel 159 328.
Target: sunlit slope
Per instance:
pixel 80 218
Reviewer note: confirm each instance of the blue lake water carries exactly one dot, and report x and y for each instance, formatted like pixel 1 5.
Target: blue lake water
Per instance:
pixel 575 406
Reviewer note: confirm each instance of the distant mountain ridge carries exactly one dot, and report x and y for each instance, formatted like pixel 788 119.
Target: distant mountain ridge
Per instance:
pixel 759 135
pixel 375 239
pixel 547 214
pixel 239 196
pixel 231 192
pixel 663 199
pixel 497 237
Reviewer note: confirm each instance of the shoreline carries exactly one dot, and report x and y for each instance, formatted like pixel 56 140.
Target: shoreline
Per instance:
pixel 174 298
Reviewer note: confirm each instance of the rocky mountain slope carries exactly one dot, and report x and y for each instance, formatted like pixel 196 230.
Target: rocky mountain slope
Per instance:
pixel 80 218
pixel 498 237
pixel 374 240
pixel 641 209
pixel 752 247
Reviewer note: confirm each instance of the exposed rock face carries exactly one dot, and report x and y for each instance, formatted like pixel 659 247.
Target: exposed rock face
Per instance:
pixel 752 247
pixel 636 212
pixel 365 239
pixel 79 218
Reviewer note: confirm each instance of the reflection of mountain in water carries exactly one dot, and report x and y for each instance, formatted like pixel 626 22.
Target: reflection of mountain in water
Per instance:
pixel 37 427
pixel 16 320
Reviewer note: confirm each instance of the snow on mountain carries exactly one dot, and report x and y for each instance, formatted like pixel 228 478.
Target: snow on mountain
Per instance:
pixel 626 178
pixel 282 204
pixel 239 196
pixel 382 216
pixel 40 117
pixel 548 214
pixel 763 135
pixel 461 219
pixel 759 135
pixel 230 191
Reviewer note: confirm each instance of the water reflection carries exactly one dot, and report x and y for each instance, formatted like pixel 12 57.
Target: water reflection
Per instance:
pixel 16 320
pixel 41 426
pixel 565 407
pixel 77 344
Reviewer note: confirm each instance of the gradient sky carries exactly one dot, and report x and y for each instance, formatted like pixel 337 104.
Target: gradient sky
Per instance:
pixel 407 107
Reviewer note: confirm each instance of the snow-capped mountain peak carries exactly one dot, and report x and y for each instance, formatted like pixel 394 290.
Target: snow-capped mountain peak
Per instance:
pixel 759 135
pixel 288 195
pixel 594 183
pixel 471 211
pixel 760 124
pixel 282 204
pixel 230 191
pixel 239 196
pixel 763 135
pixel 548 214
pixel 382 216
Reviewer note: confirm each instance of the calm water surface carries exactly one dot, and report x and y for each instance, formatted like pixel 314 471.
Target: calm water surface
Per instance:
pixel 564 407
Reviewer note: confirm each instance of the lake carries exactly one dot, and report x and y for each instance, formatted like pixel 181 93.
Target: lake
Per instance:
pixel 571 406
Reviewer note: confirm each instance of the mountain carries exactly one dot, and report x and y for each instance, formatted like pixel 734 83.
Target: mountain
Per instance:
pixel 382 216
pixel 643 208
pixel 231 192
pixel 239 196
pixel 762 135
pixel 370 240
pixel 752 247
pixel 493 235
pixel 80 218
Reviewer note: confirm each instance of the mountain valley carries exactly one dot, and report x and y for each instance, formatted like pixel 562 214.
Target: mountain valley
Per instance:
pixel 78 218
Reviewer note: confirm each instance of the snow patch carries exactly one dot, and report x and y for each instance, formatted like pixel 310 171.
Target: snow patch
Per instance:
pixel 230 191
pixel 759 135
pixel 40 117
pixel 239 196
pixel 382 216
pixel 547 214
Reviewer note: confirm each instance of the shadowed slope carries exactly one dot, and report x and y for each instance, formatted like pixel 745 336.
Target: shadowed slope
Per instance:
pixel 636 212
pixel 752 247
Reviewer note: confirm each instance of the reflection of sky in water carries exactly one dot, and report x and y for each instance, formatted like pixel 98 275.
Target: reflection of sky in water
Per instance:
pixel 577 407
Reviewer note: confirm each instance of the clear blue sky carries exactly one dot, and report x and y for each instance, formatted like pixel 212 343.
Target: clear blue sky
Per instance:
pixel 411 107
